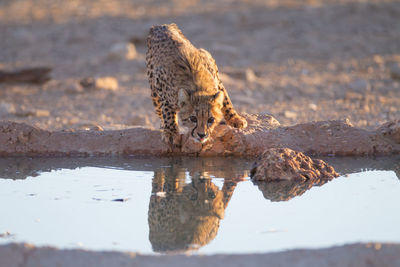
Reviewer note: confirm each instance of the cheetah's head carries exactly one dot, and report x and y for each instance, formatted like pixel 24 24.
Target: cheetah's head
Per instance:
pixel 200 113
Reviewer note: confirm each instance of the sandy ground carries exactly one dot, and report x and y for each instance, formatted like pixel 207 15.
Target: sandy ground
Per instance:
pixel 300 61
pixel 297 60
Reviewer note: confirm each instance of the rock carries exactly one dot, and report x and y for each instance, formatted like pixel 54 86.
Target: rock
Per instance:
pixel 6 109
pixel 290 114
pixel 277 164
pixel 75 88
pixel 120 199
pixel 105 83
pixel 123 51
pixel 250 75
pixel 312 106
pixel 41 113
pixel 391 130
pixel 96 128
pixel 38 75
pixel 360 85
pixel 395 71
pixel 26 112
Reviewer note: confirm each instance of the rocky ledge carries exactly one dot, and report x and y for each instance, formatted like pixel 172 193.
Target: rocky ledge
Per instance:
pixel 332 138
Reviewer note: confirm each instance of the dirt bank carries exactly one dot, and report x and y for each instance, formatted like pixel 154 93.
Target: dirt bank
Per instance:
pixel 299 60
pixel 315 138
pixel 356 255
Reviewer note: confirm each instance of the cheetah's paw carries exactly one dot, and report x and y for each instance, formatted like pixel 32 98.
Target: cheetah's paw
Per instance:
pixel 172 139
pixel 238 122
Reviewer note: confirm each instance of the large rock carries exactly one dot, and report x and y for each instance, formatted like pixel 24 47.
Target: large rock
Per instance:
pixel 277 164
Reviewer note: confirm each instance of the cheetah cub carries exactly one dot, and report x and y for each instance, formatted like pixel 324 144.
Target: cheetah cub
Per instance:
pixel 184 83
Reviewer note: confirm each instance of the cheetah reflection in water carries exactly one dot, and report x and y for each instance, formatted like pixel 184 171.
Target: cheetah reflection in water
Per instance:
pixel 186 215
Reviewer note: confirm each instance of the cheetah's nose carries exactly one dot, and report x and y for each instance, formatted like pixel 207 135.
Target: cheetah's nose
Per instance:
pixel 201 135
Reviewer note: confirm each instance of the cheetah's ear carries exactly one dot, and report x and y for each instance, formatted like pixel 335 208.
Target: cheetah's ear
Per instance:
pixel 218 98
pixel 183 97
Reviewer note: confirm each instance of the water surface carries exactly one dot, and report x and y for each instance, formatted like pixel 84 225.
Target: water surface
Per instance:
pixel 189 204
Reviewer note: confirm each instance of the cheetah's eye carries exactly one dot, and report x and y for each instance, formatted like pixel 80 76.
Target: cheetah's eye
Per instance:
pixel 193 118
pixel 210 120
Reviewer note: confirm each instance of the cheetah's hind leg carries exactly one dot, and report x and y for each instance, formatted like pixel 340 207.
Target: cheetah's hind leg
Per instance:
pixel 232 118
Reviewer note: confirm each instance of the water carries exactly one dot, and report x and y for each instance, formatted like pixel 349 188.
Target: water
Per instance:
pixel 205 206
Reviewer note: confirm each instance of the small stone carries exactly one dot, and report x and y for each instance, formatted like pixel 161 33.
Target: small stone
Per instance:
pixel 379 60
pixel 123 51
pixel 6 109
pixel 107 83
pixel 250 75
pixel 88 83
pixel 75 88
pixel 100 83
pixel 313 107
pixel 120 199
pixel 41 113
pixel 290 114
pixel 395 71
pixel 360 85
pixel 96 128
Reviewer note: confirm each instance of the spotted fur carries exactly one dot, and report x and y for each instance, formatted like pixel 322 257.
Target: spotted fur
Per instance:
pixel 184 83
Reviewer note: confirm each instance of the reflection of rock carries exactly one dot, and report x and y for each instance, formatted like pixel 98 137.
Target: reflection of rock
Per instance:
pixel 185 216
pixel 397 170
pixel 286 190
pixel 277 164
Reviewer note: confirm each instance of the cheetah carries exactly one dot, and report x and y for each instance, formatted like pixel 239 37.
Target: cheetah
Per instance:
pixel 185 87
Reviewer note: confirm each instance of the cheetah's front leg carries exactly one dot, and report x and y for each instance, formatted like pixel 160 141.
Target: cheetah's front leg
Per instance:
pixel 231 116
pixel 170 133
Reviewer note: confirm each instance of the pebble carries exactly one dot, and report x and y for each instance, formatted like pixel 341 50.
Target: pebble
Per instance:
pixel 107 83
pixel 96 128
pixel 250 75
pixel 75 88
pixel 120 199
pixel 313 107
pixel 41 113
pixel 395 71
pixel 6 109
pixel 104 83
pixel 290 114
pixel 360 85
pixel 123 51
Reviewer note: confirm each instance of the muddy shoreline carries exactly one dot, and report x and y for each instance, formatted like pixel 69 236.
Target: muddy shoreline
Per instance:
pixel 324 138
pixel 371 254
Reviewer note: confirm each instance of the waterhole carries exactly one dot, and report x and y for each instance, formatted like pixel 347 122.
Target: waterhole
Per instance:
pixel 201 205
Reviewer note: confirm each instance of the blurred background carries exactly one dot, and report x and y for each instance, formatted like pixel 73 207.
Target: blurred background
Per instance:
pixel 80 64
